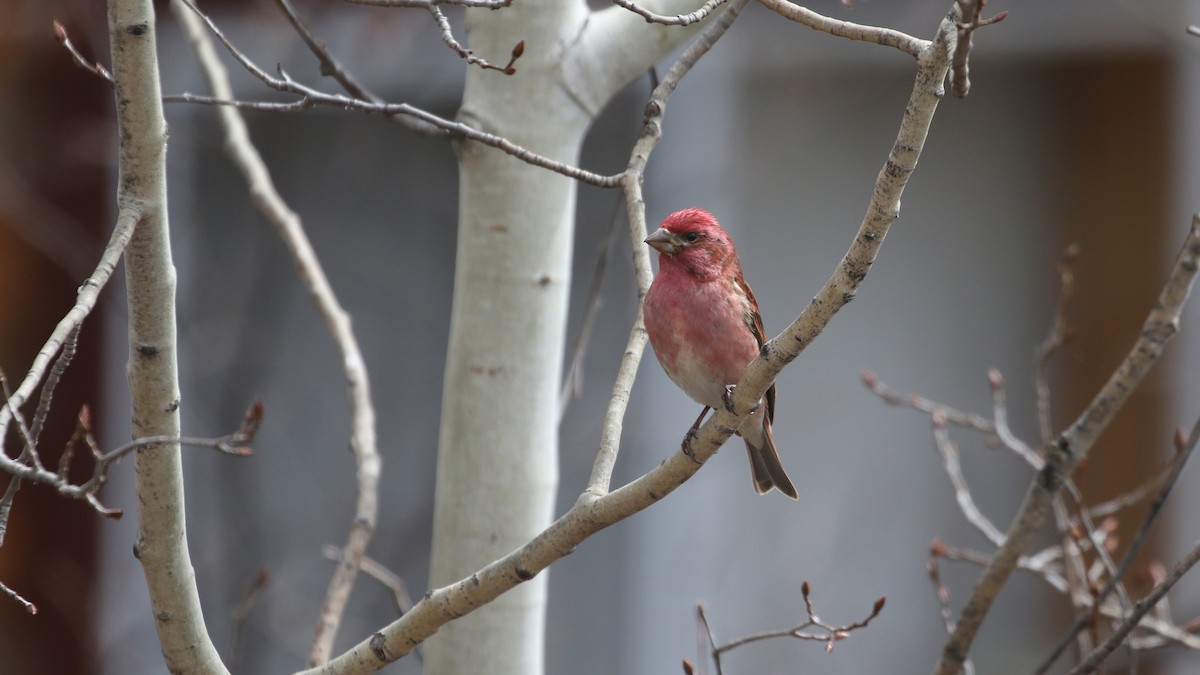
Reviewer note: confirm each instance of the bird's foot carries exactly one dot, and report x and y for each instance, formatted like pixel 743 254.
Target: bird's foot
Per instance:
pixel 686 446
pixel 727 399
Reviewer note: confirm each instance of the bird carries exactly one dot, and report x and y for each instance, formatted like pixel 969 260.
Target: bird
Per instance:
pixel 704 325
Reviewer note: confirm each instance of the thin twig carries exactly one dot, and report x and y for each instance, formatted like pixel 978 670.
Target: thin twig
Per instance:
pixel 332 67
pixel 597 509
pixel 310 98
pixel 916 402
pixel 706 642
pixel 1044 565
pixel 1057 336
pixel 1073 445
pixel 1093 660
pixel 1185 448
pixel 1094 535
pixel 573 382
pixel 377 571
pixel 1137 494
pixel 242 612
pixel 1000 421
pixel 232 444
pixel 485 4
pixel 52 379
pixel 846 29
pixel 966 503
pixel 6 502
pixel 287 224
pixel 29 606
pixel 29 452
pixel 448 37
pixel 676 20
pixel 631 184
pixel 829 634
pixel 127 219
pixel 93 67
pixel 971 10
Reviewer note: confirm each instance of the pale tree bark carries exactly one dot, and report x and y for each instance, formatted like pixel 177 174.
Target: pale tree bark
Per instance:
pixel 153 375
pixel 498 448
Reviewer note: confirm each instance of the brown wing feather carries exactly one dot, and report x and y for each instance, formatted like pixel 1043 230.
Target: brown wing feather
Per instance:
pixel 754 322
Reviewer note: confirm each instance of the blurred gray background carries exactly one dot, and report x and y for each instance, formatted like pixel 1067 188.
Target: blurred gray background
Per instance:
pixel 1081 127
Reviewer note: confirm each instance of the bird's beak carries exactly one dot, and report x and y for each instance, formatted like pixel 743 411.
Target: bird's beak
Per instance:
pixel 663 241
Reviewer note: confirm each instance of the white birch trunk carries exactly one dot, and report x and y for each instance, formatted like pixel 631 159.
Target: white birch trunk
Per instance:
pixel 153 375
pixel 498 449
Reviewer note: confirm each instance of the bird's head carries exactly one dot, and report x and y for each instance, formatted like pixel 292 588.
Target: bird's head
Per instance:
pixel 694 239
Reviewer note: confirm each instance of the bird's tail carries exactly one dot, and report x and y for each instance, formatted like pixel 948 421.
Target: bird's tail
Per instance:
pixel 765 466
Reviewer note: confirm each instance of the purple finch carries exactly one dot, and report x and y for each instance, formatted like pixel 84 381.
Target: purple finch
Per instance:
pixel 704 325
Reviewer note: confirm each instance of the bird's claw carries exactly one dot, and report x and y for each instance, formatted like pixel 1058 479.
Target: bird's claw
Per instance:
pixel 727 399
pixel 686 446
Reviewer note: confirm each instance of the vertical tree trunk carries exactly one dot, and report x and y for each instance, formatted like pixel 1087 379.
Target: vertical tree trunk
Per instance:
pixel 153 376
pixel 498 450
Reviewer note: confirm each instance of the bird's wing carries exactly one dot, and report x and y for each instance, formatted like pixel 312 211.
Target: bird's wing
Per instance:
pixel 753 321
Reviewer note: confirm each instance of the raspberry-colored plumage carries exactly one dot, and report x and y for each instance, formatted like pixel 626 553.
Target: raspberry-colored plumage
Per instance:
pixel 704 325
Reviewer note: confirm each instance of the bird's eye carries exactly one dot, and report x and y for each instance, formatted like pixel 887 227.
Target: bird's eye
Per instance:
pixel 691 237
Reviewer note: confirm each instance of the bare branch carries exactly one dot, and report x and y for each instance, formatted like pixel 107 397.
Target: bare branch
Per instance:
pixel 1185 448
pixel 29 606
pixel 1000 421
pixel 916 402
pixel 1073 445
pixel 631 184
pixel 960 81
pixel 966 503
pixel 242 612
pixel 937 550
pixel 127 219
pixel 845 29
pixel 448 37
pixel 573 382
pixel 93 67
pixel 829 634
pixel 331 67
pixel 485 4
pixel 1093 660
pixel 596 510
pixel 51 383
pixel 1058 335
pixel 705 641
pixel 676 20
pixel 310 98
pixel 377 571
pixel 287 224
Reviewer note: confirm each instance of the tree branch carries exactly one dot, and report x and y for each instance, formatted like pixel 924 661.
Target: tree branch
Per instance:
pixel 128 215
pixel 1185 447
pixel 1093 660
pixel 846 29
pixel 332 67
pixel 310 98
pixel 592 512
pixel 635 171
pixel 287 224
pixel 1072 446
pixel 676 20
pixel 830 635
pixel 153 375
pixel 971 10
